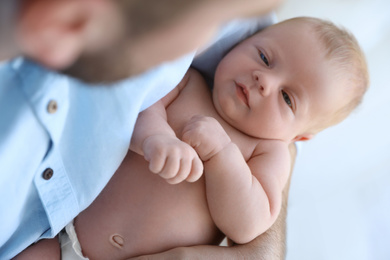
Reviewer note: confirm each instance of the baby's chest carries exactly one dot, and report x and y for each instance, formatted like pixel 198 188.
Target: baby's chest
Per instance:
pixel 185 107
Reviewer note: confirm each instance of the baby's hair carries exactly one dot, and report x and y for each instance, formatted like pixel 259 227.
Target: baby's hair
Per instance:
pixel 343 50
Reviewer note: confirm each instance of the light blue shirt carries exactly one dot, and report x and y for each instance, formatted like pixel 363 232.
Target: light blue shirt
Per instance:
pixel 81 133
pixel 83 142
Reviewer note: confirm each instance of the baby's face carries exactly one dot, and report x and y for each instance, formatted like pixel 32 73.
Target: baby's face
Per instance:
pixel 277 84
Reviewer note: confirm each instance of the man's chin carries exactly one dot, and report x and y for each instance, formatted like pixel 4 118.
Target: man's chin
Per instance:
pixel 96 72
pixel 107 66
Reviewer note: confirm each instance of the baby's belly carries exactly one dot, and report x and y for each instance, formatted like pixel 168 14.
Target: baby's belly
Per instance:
pixel 139 213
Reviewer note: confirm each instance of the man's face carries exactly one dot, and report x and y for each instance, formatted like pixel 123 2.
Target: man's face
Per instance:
pixel 99 57
pixel 8 10
pixel 129 56
pixel 134 54
pixel 277 84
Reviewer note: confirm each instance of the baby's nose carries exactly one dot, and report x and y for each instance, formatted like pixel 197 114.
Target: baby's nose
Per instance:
pixel 261 83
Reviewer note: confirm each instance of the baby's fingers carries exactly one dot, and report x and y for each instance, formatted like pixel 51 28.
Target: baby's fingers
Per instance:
pixel 156 164
pixel 171 168
pixel 196 170
pixel 185 167
pixel 190 170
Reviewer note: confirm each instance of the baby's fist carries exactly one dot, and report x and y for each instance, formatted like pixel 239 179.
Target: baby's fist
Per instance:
pixel 206 135
pixel 172 159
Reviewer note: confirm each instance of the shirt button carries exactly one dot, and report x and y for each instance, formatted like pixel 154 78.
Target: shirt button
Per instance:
pixel 47 174
pixel 52 107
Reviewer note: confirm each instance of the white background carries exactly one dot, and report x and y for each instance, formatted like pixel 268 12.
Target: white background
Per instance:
pixel 339 205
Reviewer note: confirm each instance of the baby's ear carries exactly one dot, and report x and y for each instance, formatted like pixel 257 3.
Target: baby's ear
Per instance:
pixel 303 137
pixel 52 32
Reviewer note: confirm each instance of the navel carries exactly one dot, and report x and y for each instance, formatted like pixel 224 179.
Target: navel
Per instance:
pixel 117 240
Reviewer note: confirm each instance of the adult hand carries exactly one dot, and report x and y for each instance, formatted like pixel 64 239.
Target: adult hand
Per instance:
pixel 176 253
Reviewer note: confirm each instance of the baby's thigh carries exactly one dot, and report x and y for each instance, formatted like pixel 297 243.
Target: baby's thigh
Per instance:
pixel 45 249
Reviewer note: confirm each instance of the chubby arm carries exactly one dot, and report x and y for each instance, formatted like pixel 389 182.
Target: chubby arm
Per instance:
pixel 244 197
pixel 169 157
pixel 153 120
pixel 250 193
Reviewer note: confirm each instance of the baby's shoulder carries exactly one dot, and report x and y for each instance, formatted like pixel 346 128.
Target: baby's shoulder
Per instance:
pixel 194 84
pixel 195 77
pixel 271 147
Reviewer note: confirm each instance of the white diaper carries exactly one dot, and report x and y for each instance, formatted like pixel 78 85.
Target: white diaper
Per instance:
pixel 70 246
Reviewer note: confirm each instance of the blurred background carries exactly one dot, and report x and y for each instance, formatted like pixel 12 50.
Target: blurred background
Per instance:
pixel 339 205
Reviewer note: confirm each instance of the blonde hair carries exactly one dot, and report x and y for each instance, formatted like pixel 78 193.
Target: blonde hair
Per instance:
pixel 343 51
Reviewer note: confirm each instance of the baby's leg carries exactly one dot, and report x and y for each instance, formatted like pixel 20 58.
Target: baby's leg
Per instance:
pixel 45 249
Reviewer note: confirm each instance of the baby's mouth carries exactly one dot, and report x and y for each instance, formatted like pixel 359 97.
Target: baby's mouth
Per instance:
pixel 242 93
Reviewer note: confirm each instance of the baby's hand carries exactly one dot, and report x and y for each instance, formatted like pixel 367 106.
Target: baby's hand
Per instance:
pixel 172 159
pixel 206 135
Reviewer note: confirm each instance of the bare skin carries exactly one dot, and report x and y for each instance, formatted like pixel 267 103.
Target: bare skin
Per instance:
pixel 264 82
pixel 257 109
pixel 46 249
pixel 271 245
pixel 268 246
pixel 104 40
pixel 252 7
pixel 180 211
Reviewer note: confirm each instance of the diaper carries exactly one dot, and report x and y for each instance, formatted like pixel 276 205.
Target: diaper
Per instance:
pixel 70 246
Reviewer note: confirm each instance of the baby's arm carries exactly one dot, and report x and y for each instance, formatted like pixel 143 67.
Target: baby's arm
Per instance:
pixel 153 138
pixel 244 197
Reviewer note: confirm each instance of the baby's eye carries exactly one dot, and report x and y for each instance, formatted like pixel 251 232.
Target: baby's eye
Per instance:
pixel 263 58
pixel 287 99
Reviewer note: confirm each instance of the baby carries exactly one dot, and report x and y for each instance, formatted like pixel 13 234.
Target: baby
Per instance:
pixel 282 85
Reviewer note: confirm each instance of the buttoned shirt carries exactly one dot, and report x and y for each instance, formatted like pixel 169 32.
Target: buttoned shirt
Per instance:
pixel 61 140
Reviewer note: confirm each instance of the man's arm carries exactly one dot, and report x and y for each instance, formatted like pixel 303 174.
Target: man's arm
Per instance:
pixel 271 245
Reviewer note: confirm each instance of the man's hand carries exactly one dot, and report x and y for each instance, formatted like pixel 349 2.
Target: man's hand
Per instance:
pixel 172 159
pixel 206 135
